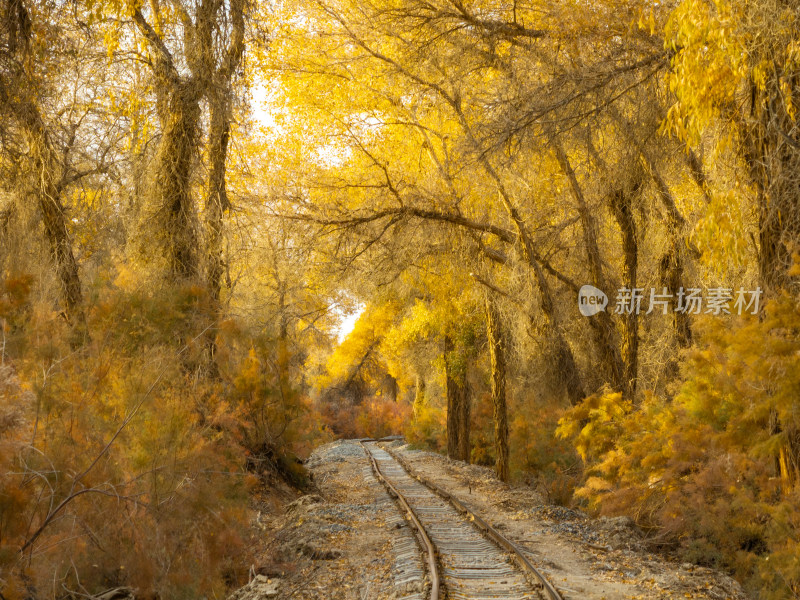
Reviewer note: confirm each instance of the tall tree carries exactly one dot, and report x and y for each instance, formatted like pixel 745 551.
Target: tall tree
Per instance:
pixel 458 401
pixel 178 103
pixel 47 172
pixel 220 97
pixel 497 358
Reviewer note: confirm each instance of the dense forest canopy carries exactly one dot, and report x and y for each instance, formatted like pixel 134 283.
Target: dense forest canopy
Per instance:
pixel 195 193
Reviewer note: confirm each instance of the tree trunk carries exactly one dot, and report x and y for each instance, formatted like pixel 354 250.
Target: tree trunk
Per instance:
pixel 47 181
pixel 672 276
pixel 175 160
pixel 458 446
pixel 602 325
pixel 623 213
pixel 568 370
pixel 774 159
pixel 216 206
pixel 497 359
pixel 564 359
pixel 452 400
pixel 419 396
pixel 48 196
pixel 178 104
pixel 464 414
pixel 283 346
pixel 389 388
pixel 220 97
pixel 672 264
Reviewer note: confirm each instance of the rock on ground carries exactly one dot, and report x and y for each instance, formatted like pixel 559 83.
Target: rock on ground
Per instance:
pixel 259 588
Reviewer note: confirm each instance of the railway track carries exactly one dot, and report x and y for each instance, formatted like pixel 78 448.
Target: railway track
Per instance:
pixel 466 558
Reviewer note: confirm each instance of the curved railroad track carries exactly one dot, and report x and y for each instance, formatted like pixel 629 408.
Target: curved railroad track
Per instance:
pixel 466 558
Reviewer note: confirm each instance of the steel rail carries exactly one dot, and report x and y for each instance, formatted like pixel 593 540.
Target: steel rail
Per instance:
pixel 539 580
pixel 430 551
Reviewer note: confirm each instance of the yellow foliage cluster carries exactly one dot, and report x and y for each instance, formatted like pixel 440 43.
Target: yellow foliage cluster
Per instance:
pixel 710 472
pixel 710 66
pixel 427 429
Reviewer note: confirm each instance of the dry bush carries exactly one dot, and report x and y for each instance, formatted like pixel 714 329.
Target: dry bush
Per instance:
pixel 710 472
pixel 121 464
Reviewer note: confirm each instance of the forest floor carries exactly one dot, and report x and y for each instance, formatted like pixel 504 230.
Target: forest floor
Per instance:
pixel 335 543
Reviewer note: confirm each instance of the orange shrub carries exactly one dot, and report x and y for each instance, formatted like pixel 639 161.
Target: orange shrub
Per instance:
pixel 379 417
pixel 710 471
pixel 538 455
